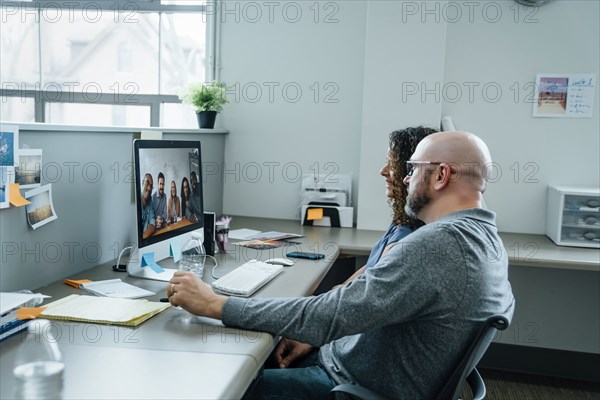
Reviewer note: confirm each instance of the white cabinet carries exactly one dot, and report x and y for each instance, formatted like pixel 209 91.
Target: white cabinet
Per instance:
pixel 573 216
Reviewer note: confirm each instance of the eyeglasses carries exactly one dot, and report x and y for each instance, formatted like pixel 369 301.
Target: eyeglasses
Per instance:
pixel 411 166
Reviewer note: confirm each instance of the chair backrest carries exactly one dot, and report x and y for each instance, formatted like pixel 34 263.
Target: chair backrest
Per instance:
pixel 479 345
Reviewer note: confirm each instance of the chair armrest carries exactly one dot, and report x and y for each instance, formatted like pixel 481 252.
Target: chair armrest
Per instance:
pixel 356 391
pixel 477 385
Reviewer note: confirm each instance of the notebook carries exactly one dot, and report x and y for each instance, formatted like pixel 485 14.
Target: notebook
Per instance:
pixel 103 310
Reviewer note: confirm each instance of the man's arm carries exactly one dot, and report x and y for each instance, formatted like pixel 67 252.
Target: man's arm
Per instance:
pixel 149 221
pixel 188 291
pixel 362 269
pixel 398 288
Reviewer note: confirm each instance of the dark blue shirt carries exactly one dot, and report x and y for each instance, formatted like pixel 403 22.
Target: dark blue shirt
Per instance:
pixel 393 234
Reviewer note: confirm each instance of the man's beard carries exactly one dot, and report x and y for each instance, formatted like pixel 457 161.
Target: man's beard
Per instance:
pixel 416 201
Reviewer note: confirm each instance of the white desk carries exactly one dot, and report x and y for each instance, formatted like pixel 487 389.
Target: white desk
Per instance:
pixel 173 355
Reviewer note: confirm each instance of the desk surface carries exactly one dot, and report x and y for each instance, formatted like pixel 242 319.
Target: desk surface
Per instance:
pixel 173 354
pixel 193 357
pixel 522 249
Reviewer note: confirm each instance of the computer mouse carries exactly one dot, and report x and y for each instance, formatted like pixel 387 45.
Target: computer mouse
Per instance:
pixel 280 261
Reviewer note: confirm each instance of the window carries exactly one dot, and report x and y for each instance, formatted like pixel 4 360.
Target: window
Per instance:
pixel 125 63
pixel 122 62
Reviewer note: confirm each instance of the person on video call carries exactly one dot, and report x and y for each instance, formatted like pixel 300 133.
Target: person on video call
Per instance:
pixel 148 217
pixel 401 327
pixel 186 210
pixel 173 204
pixel 159 202
pixel 195 197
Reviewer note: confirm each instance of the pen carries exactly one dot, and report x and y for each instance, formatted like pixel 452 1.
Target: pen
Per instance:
pixel 164 300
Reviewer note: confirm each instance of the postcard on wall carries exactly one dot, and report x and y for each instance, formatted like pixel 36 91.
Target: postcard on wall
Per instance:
pixel 9 143
pixel 7 177
pixel 41 210
pixel 28 169
pixel 564 95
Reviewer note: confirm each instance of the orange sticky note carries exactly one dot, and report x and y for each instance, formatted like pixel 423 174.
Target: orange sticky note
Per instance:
pixel 314 213
pixel 14 196
pixel 29 312
pixel 75 283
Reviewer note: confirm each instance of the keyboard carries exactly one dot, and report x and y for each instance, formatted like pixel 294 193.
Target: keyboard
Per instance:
pixel 247 278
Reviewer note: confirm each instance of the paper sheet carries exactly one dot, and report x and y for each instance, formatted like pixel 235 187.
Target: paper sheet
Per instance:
pixel 241 234
pixel 9 301
pixel 115 288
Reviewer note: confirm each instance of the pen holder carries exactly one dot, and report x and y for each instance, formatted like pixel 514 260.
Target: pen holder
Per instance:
pixel 222 237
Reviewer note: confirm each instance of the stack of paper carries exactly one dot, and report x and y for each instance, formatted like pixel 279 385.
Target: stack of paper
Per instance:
pixel 9 304
pixel 103 310
pixel 115 288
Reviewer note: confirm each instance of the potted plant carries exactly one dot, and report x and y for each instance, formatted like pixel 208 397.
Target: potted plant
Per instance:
pixel 208 100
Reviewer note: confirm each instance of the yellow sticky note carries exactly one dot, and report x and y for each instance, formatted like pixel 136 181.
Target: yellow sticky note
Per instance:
pixel 15 197
pixel 314 213
pixel 75 283
pixel 29 312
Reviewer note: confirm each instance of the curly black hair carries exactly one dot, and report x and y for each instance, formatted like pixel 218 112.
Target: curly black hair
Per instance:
pixel 402 145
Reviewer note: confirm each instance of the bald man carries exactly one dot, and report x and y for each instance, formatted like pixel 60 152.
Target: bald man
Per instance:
pixel 401 327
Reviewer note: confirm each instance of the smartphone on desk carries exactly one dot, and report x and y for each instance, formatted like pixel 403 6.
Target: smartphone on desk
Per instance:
pixel 302 254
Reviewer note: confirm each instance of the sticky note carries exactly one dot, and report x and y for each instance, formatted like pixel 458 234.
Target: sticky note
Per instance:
pixel 148 260
pixel 15 197
pixel 314 213
pixel 29 312
pixel 75 283
pixel 175 250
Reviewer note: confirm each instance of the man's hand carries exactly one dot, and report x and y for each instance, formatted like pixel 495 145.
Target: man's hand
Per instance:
pixel 289 350
pixel 188 291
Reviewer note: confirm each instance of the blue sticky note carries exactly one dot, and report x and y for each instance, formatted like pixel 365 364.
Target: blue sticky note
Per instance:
pixel 175 250
pixel 148 260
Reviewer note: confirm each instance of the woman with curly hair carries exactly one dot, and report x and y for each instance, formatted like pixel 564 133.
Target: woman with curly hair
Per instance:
pixel 401 147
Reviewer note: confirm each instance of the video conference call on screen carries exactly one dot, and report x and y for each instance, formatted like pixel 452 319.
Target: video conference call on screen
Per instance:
pixel 169 197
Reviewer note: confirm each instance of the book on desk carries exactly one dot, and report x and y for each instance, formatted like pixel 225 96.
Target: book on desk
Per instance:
pixel 10 324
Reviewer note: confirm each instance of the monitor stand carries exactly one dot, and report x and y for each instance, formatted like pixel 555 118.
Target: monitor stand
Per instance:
pixel 168 265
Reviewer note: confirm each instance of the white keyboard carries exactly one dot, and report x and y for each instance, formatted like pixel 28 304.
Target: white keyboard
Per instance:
pixel 247 278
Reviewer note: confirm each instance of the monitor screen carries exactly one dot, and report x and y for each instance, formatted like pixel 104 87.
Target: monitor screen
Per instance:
pixel 169 198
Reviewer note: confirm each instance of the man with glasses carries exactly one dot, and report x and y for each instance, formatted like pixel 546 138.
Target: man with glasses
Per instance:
pixel 402 326
pixel 148 217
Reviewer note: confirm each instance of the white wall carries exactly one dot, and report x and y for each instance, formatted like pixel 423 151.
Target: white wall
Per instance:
pixel 399 51
pixel 374 54
pixel 560 37
pixel 274 139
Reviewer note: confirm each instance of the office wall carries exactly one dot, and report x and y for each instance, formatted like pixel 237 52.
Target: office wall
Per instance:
pixel 90 172
pixel 399 51
pixel 396 64
pixel 297 103
pixel 560 37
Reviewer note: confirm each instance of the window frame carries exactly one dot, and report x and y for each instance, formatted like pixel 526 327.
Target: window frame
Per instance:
pixel 154 101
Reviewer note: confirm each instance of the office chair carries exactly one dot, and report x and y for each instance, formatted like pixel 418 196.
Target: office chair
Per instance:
pixel 465 371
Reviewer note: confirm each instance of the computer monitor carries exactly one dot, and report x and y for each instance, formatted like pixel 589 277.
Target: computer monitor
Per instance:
pixel 169 203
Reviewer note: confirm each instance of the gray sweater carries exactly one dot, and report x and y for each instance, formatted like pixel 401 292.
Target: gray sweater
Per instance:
pixel 401 327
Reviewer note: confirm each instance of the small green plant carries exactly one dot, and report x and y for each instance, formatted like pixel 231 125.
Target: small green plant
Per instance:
pixel 205 96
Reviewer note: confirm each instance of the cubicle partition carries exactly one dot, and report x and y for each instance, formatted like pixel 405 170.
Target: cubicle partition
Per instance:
pixel 90 170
